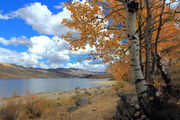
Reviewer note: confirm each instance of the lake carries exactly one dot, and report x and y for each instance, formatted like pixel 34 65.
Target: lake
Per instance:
pixel 22 86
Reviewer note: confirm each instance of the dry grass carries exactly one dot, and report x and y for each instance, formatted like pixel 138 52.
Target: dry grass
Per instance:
pixel 11 110
pixel 123 86
pixel 33 107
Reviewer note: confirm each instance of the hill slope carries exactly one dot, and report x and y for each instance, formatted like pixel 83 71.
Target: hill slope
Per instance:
pixel 16 71
pixel 71 71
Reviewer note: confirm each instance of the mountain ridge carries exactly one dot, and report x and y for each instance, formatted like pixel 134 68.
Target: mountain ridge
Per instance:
pixel 9 71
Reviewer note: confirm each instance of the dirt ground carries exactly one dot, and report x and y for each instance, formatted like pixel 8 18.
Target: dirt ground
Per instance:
pixel 101 107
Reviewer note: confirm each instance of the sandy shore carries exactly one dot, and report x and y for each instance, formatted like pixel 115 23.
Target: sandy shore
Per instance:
pixel 78 91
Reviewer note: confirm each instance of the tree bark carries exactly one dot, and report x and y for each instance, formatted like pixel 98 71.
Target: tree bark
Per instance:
pixel 164 73
pixel 148 37
pixel 157 37
pixel 139 80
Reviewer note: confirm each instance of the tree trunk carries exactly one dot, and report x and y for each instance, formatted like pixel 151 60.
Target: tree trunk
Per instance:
pixel 139 80
pixel 154 108
pixel 148 37
pixel 157 37
pixel 164 73
pixel 140 41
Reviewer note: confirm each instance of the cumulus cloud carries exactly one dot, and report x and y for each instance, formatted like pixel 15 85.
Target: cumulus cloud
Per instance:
pixel 29 59
pixel 21 58
pixel 16 41
pixel 55 49
pixel 87 65
pixel 42 19
pixel 88 49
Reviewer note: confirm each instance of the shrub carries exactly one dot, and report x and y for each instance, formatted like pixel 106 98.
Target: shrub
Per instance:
pixel 11 110
pixel 32 108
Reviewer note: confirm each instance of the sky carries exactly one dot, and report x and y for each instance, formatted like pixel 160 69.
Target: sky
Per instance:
pixel 30 35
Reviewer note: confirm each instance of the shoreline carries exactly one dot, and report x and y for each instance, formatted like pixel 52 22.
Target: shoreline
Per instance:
pixel 101 83
pixel 97 102
pixel 65 94
pixel 77 91
pixel 42 92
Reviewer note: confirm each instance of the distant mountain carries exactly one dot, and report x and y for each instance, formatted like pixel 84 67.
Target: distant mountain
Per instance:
pixel 71 71
pixel 98 76
pixel 17 71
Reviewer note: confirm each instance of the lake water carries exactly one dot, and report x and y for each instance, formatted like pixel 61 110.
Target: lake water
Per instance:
pixel 22 86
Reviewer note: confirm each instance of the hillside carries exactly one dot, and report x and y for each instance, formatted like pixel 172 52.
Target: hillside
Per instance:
pixel 99 76
pixel 71 71
pixel 17 71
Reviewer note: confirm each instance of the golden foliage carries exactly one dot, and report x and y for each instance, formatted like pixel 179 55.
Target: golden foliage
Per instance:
pixel 102 24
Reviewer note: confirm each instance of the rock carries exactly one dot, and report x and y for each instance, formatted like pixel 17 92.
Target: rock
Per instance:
pixel 125 109
pixel 88 93
pixel 82 101
pixel 77 88
pixel 71 108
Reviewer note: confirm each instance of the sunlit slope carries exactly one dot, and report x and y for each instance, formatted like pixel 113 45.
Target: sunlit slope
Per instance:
pixel 16 71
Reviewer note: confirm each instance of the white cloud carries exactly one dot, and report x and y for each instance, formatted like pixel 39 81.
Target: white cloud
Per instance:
pixel 43 65
pixel 53 65
pixel 86 65
pixel 59 6
pixel 88 49
pixel 42 19
pixel 16 41
pixel 55 49
pixel 21 58
pixel 4 17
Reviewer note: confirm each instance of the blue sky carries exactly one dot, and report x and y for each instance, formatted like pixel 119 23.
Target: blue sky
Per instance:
pixel 30 33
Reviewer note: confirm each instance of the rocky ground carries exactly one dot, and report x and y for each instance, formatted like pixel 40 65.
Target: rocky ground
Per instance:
pixel 96 103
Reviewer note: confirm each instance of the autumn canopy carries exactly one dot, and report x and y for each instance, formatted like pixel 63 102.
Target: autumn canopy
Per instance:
pixel 102 24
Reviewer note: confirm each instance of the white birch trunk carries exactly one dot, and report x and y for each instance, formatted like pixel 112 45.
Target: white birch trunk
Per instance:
pixel 139 80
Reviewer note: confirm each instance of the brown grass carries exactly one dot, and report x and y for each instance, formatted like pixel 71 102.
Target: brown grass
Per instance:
pixel 11 110
pixel 32 108
pixel 54 107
